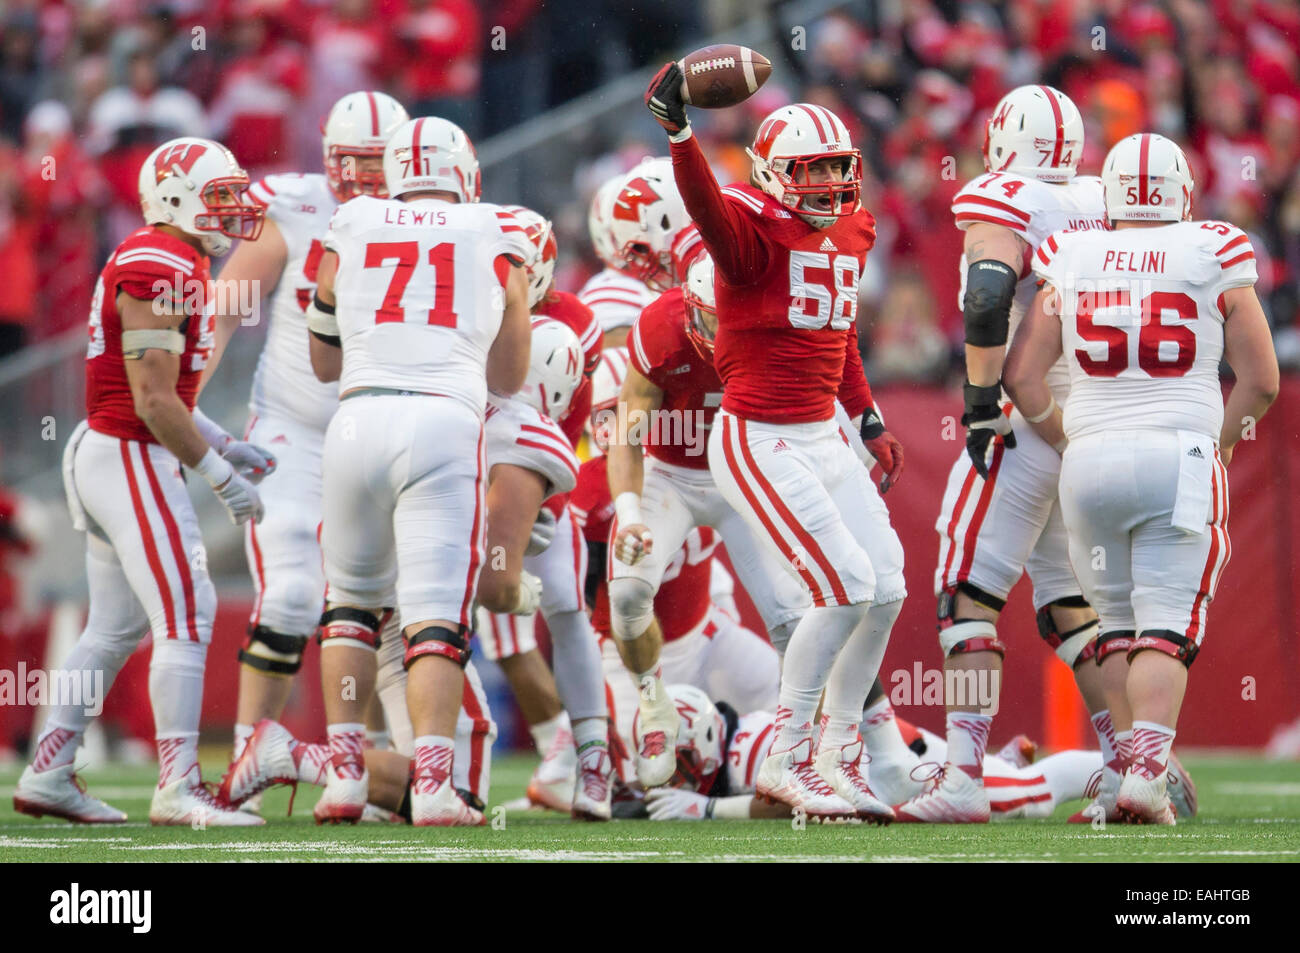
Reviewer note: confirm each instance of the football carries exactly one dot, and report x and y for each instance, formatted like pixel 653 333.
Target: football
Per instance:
pixel 715 77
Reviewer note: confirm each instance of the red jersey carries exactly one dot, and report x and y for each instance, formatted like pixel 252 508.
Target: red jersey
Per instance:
pixel 148 264
pixel 683 598
pixel 787 298
pixel 661 351
pixel 571 312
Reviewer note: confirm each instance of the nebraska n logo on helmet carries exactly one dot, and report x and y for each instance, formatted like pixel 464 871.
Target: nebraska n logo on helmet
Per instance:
pixel 1147 178
pixel 792 139
pixel 1035 132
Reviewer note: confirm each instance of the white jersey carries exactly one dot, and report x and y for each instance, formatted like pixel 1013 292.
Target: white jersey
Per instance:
pixel 1142 323
pixel 284 385
pixel 749 746
pixel 615 298
pixel 1033 210
pixel 420 294
pixel 519 434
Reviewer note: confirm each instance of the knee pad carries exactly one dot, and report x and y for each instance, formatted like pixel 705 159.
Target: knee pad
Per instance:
pixel 348 625
pixel 438 640
pixel 1167 641
pixel 1075 646
pixel 631 607
pixel 960 636
pixel 276 653
pixel 1117 640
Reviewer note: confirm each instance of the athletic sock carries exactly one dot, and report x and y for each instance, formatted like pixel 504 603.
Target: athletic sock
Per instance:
pixel 311 761
pixel 809 659
pixel 854 673
pixel 544 732
pixel 881 737
pixel 347 741
pixel 434 756
pixel 968 738
pixel 56 747
pixel 1152 743
pixel 590 732
pixel 1124 748
pixel 176 693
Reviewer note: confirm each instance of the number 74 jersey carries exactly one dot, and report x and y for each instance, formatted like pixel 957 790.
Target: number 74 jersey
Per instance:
pixel 420 292
pixel 1142 316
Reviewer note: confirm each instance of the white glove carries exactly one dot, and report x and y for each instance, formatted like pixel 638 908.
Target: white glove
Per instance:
pixel 252 462
pixel 236 494
pixel 530 594
pixel 675 804
pixel 543 533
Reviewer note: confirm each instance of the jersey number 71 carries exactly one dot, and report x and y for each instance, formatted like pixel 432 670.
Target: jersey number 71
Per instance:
pixel 405 260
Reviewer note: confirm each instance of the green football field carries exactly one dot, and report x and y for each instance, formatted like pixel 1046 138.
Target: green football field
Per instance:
pixel 1249 811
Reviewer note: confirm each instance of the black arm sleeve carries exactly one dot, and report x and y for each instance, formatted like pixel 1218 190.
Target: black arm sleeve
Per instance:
pixel 596 554
pixel 990 289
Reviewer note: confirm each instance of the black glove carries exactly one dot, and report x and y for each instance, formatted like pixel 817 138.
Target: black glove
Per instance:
pixel 983 421
pixel 663 97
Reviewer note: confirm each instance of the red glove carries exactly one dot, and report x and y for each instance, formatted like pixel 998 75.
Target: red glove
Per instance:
pixel 889 454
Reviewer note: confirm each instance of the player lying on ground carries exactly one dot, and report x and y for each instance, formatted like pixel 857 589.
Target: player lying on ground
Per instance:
pixel 150 336
pixel 1143 315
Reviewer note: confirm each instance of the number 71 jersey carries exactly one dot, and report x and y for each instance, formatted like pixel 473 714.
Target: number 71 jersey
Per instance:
pixel 1142 315
pixel 420 292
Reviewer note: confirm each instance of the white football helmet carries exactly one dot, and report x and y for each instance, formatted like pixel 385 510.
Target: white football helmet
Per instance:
pixel 701 734
pixel 541 267
pixel 1146 178
pixel 1037 132
pixel 358 127
pixel 606 385
pixel 791 139
pixel 645 216
pixel 598 222
pixel 700 302
pixel 431 155
pixel 554 368
pixel 197 186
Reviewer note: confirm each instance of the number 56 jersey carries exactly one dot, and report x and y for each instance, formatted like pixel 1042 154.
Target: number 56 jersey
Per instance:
pixel 1142 317
pixel 420 293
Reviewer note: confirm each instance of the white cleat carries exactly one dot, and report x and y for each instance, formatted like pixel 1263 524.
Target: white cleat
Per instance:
pixel 436 804
pixel 1180 788
pixel 1103 788
pixel 954 798
pixel 657 720
pixel 58 792
pixel 1146 801
pixel 1020 751
pixel 592 793
pixel 552 784
pixel 345 795
pixel 188 802
pixel 841 768
pixel 267 759
pixel 374 814
pixel 791 778
pixel 893 781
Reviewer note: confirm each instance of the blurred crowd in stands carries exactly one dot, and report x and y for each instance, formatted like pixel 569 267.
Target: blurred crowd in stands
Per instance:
pixel 87 87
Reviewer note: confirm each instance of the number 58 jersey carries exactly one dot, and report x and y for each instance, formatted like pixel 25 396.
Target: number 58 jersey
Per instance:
pixel 420 293
pixel 1142 317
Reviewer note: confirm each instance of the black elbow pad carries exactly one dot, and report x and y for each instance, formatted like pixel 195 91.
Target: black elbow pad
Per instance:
pixel 990 288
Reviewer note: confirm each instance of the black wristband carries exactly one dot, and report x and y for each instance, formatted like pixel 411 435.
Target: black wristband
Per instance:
pixel 333 340
pixel 321 306
pixel 978 396
pixel 872 426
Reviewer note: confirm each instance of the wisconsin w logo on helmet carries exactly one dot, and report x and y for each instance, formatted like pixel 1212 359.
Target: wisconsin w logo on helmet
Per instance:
pixel 635 196
pixel 183 154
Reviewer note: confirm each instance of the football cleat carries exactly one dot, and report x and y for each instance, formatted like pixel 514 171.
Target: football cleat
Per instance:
pixel 1020 751
pixel 344 798
pixel 188 802
pixel 435 803
pixel 1103 788
pixel 1146 801
pixel 59 792
pixel 374 814
pixel 594 789
pixel 267 759
pixel 841 768
pixel 552 784
pixel 792 778
pixel 953 798
pixel 1181 788
pixel 657 722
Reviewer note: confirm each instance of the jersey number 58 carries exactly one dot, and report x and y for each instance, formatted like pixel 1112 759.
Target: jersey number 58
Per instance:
pixel 829 287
